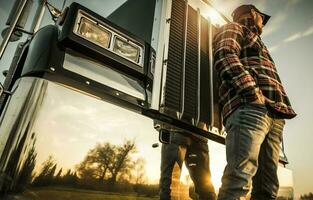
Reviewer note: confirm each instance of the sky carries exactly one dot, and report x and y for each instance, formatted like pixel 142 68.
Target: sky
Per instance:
pixel 289 37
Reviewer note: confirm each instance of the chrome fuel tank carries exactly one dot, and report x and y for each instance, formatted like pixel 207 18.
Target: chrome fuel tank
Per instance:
pixel 50 132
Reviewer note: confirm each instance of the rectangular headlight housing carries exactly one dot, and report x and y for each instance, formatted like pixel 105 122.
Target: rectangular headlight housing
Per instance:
pixel 108 45
pixel 126 49
pixel 110 38
pixel 94 32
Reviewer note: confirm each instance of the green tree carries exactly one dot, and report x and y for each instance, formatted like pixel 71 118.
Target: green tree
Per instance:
pixel 26 175
pixel 107 162
pixel 307 196
pixel 59 174
pixel 97 162
pixel 45 177
pixel 58 177
pixel 70 178
pixel 122 162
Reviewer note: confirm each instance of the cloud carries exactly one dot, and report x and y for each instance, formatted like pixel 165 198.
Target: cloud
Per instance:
pixel 275 23
pixel 299 35
pixel 308 31
pixel 261 4
pixel 293 37
pixel 273 48
pixel 293 2
pixel 227 6
pixel 277 20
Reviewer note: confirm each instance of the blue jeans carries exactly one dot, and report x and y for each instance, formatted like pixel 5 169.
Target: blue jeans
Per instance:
pixel 252 152
pixel 196 157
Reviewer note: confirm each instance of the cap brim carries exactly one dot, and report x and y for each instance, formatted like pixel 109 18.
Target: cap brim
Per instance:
pixel 265 18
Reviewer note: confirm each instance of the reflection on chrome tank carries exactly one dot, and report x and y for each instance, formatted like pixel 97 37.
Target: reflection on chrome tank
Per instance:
pixel 73 154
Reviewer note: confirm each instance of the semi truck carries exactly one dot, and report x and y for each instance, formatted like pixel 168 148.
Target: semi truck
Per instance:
pixel 95 87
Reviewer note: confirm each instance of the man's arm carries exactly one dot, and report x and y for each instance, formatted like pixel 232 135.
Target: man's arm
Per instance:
pixel 227 47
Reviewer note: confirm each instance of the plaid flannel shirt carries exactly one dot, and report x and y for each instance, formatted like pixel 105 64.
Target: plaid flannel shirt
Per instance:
pixel 245 67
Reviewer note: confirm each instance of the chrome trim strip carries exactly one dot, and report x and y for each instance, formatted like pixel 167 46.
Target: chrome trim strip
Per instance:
pixel 7 36
pixel 104 75
pixel 211 96
pixel 182 109
pixel 39 16
pixel 199 66
pixel 161 39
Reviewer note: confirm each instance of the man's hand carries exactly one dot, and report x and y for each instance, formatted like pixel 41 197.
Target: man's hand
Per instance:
pixel 260 99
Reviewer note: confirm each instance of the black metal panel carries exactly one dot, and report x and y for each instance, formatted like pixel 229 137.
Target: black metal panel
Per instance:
pixel 44 52
pixel 191 67
pixel 136 16
pixel 173 86
pixel 204 72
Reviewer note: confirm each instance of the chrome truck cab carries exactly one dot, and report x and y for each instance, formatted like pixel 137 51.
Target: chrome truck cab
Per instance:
pixel 85 98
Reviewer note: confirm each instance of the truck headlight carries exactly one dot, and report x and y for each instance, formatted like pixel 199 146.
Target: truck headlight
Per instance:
pixel 126 49
pixel 105 34
pixel 94 32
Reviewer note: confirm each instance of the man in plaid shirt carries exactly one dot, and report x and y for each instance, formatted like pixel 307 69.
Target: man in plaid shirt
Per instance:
pixel 254 106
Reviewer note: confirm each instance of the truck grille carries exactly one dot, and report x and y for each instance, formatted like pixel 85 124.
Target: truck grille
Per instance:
pixel 182 92
pixel 191 67
pixel 173 87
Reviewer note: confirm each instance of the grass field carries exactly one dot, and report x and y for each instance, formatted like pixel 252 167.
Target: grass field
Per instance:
pixel 51 193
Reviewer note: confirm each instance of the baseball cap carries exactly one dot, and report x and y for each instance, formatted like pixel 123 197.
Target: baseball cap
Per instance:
pixel 243 9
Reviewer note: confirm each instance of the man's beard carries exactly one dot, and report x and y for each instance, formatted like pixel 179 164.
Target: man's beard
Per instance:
pixel 260 30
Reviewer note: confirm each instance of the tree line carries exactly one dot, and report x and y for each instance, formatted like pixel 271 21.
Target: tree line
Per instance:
pixel 106 167
pixel 307 196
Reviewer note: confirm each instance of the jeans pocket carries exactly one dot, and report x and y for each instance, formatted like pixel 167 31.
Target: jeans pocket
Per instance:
pixel 242 143
pixel 253 115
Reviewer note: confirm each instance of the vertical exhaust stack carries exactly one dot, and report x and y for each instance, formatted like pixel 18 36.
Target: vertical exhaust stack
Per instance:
pixel 16 23
pixel 19 15
pixel 22 19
